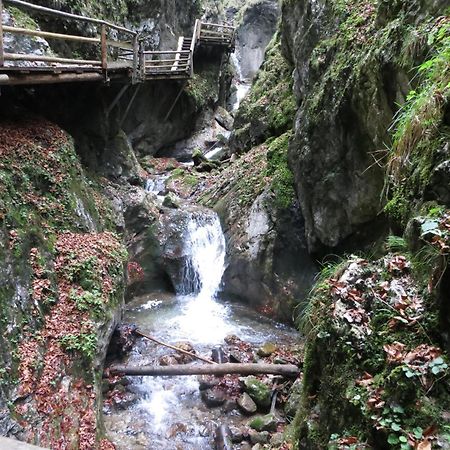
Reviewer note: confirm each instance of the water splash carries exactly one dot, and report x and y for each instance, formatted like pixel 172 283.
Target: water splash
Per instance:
pixel 205 264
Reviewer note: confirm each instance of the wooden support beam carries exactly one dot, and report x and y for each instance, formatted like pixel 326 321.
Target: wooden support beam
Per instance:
pixel 175 101
pixel 2 51
pixel 286 370
pixel 49 35
pixel 35 79
pixel 50 59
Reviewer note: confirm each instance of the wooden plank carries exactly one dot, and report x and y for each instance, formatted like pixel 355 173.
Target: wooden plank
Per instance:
pixel 54 59
pixel 287 370
pixel 47 34
pixel 120 44
pixel 164 66
pixel 169 52
pixel 55 12
pixel 2 51
pixel 35 79
pixel 208 24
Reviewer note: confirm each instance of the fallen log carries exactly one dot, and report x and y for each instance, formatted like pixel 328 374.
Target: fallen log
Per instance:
pixel 172 347
pixel 286 370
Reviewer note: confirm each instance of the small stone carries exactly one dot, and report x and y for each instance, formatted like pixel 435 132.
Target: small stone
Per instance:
pixel 237 434
pixel 279 360
pixel 213 398
pixel 277 439
pixel 267 349
pixel 257 447
pixel 258 391
pixel 246 403
pixel 259 437
pixel 167 360
pixel 229 405
pixel 171 201
pixel 207 382
pixel 294 399
pixel 245 446
pixel 264 423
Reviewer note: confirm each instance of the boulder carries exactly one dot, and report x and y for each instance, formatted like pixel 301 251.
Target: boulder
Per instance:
pixel 293 401
pixel 264 423
pixel 267 349
pixel 213 398
pixel 171 201
pixel 258 391
pixel 224 118
pixel 259 437
pixel 246 404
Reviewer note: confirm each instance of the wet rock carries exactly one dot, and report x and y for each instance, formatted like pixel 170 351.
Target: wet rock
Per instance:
pixel 277 439
pixel 167 360
pixel 279 360
pixel 224 118
pixel 258 447
pixel 259 437
pixel 246 404
pixel 293 401
pixel 264 423
pixel 218 355
pixel 213 398
pixel 245 446
pixel 232 339
pixel 223 438
pixel 207 382
pixel 258 391
pixel 267 349
pixel 171 201
pixel 229 405
pixel 237 434
pixel 236 357
pixel 122 340
pixel 181 357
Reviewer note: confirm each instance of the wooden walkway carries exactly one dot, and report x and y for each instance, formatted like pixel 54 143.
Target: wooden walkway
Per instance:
pixel 122 55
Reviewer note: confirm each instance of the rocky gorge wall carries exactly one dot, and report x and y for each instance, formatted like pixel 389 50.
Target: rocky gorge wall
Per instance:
pixel 368 154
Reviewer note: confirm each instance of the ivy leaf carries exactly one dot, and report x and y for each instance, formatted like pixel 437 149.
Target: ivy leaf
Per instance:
pixel 396 427
pixel 393 439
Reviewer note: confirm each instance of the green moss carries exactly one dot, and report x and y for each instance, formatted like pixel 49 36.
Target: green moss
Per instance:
pixel 270 100
pixel 336 401
pixel 278 169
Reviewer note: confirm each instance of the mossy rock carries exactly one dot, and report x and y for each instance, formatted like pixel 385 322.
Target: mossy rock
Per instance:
pixel 258 391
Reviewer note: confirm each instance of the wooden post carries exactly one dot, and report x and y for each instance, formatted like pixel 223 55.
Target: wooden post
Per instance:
pixel 142 58
pixel 2 59
pixel 135 78
pixel 104 49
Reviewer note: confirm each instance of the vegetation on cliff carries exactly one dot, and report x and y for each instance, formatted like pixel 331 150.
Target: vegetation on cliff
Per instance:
pixel 64 284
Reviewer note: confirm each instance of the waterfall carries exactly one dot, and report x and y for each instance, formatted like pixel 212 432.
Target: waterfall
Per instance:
pixel 205 263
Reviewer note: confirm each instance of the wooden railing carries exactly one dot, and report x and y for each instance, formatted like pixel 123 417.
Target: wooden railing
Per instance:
pixel 217 34
pixel 110 48
pixel 120 51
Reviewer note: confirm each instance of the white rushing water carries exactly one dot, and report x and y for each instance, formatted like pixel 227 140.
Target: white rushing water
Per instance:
pixel 170 414
pixel 241 84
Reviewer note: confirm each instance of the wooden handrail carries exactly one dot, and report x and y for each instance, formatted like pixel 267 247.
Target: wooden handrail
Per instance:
pixel 169 52
pixel 49 35
pixel 217 25
pixel 66 15
pixel 54 59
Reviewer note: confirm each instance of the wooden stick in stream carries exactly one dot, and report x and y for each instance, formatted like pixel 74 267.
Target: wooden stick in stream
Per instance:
pixel 193 355
pixel 286 370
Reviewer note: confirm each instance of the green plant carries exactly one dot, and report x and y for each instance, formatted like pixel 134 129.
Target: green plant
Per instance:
pixel 84 343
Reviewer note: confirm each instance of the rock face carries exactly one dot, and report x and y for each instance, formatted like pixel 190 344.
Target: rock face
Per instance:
pixel 61 287
pixel 348 96
pixel 254 33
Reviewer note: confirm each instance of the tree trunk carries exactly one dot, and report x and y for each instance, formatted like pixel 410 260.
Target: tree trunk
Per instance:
pixel 286 370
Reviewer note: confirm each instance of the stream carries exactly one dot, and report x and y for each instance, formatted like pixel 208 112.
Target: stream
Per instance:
pixel 168 413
